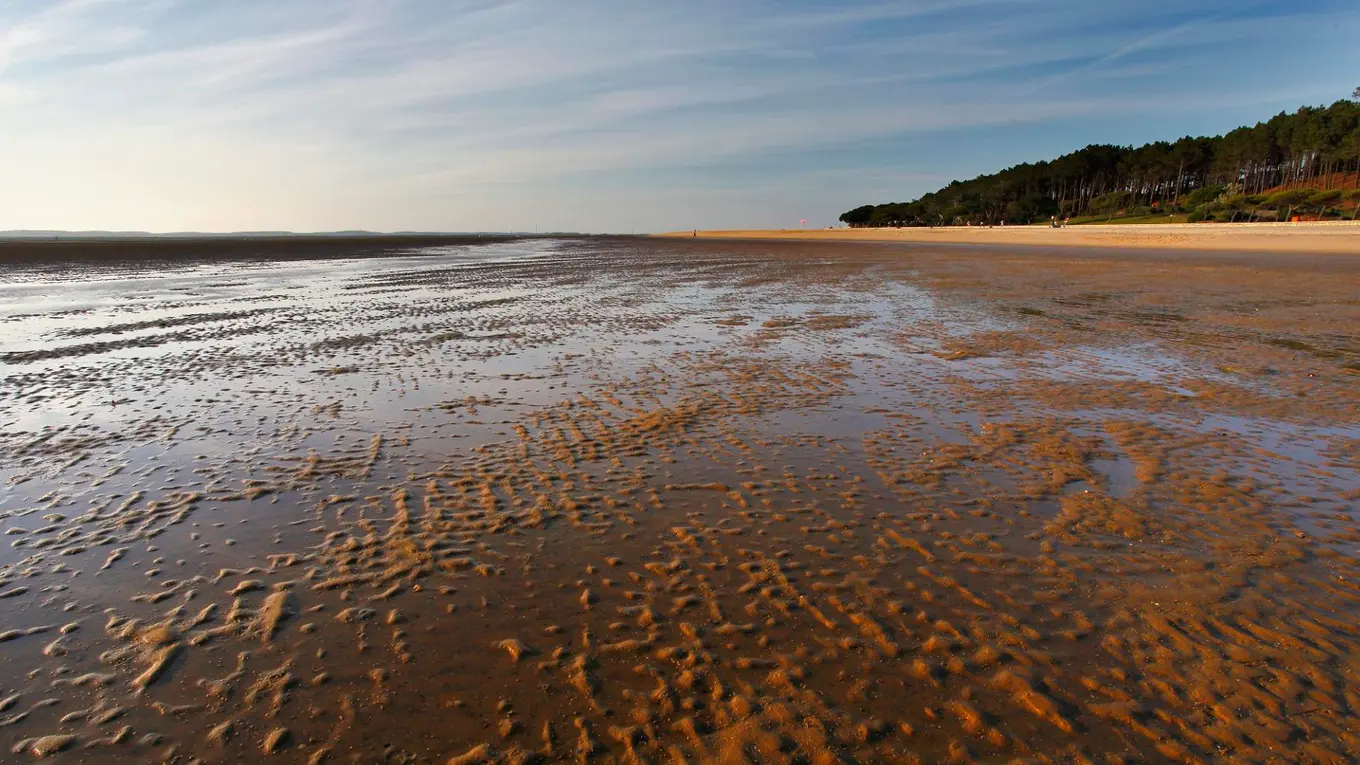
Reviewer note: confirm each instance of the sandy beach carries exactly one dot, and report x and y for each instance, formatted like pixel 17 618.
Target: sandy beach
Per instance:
pixel 628 500
pixel 1343 237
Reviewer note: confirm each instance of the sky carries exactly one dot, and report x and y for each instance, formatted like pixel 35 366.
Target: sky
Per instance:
pixel 606 115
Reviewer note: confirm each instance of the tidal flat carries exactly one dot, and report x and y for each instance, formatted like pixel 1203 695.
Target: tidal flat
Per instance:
pixel 669 501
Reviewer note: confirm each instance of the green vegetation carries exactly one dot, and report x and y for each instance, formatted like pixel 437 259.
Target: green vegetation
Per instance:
pixel 1301 164
pixel 1128 219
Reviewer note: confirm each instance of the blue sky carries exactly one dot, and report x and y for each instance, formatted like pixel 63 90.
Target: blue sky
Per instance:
pixel 605 115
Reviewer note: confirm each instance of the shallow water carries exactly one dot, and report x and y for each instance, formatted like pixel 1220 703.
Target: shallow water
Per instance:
pixel 632 500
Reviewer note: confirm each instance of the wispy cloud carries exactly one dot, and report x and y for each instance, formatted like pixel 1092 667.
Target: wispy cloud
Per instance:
pixel 173 114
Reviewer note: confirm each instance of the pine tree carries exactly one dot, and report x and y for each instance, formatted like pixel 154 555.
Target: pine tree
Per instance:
pixel 1315 148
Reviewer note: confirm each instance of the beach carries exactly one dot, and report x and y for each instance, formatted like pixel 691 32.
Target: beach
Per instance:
pixel 1331 237
pixel 663 500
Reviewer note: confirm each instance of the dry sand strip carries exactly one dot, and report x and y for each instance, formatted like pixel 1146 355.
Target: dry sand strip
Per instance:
pixel 1336 237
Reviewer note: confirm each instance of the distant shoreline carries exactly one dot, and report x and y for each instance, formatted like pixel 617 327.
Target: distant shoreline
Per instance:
pixel 1330 237
pixel 78 248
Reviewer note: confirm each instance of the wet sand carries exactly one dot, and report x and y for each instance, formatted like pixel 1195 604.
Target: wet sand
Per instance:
pixel 1331 237
pixel 648 500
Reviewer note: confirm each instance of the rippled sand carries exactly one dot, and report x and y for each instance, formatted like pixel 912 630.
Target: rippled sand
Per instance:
pixel 676 501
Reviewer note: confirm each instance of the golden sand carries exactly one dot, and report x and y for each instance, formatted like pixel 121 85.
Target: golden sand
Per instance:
pixel 1341 237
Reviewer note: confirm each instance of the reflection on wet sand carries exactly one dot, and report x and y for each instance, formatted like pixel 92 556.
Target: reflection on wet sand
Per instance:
pixel 668 501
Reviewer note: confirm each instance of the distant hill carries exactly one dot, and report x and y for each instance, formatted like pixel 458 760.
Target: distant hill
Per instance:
pixel 1307 162
pixel 38 234
pixel 103 246
pixel 358 234
pixel 34 234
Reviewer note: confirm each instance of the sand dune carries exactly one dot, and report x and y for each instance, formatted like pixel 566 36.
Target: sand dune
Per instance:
pixel 1341 237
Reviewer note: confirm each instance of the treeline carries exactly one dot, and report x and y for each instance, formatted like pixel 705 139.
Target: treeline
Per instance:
pixel 1312 153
